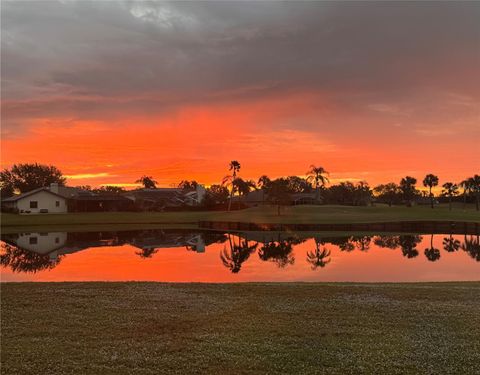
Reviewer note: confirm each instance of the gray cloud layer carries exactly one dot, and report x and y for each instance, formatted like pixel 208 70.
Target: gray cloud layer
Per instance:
pixel 101 59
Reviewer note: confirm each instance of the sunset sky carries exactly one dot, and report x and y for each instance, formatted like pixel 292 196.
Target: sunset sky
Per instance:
pixel 111 90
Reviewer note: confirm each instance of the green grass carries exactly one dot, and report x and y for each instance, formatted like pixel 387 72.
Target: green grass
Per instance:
pixel 152 328
pixel 265 214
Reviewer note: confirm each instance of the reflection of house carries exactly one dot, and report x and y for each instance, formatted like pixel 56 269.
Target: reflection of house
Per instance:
pixel 41 243
pixel 169 240
pixel 158 199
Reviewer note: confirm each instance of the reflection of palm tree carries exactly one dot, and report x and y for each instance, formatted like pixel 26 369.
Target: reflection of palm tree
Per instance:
pixel 318 257
pixel 432 253
pixel 237 255
pixel 409 243
pixel 450 244
pixel 20 260
pixel 278 252
pixel 472 247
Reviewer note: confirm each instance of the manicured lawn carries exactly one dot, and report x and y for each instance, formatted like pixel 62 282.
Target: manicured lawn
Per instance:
pixel 265 214
pixel 151 328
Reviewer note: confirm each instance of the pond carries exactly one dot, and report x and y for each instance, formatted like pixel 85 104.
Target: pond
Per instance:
pixel 211 256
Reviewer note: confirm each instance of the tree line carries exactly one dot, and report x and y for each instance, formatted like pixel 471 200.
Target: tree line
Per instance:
pixel 21 178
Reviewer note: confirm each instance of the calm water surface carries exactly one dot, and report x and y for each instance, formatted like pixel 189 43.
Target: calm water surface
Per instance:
pixel 186 256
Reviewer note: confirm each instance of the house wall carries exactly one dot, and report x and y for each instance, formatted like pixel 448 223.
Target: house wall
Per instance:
pixel 45 201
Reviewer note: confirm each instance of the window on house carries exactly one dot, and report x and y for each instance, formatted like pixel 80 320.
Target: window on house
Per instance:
pixel 33 204
pixel 33 240
pixel 57 203
pixel 57 240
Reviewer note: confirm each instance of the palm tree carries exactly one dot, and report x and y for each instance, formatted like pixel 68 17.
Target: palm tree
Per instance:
pixel 450 244
pixel 467 187
pixel 147 181
pixel 318 176
pixel 263 181
pixel 475 188
pixel 234 167
pixel 449 190
pixel 430 181
pixel 317 258
pixel 432 253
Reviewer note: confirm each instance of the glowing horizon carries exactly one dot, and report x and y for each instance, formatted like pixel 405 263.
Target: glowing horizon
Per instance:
pixel 177 90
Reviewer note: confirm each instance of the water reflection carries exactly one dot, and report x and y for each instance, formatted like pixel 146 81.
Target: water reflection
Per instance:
pixel 30 253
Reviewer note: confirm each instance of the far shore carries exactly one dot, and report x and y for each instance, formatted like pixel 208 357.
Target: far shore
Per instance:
pixel 293 215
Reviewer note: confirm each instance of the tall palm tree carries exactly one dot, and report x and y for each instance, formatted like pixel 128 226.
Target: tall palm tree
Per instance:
pixel 317 258
pixel 475 187
pixel 430 181
pixel 449 190
pixel 234 167
pixel 472 247
pixel 466 186
pixel 318 177
pixel 432 253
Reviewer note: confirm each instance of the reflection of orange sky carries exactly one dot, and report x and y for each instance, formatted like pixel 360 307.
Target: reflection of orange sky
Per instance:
pixel 276 137
pixel 179 265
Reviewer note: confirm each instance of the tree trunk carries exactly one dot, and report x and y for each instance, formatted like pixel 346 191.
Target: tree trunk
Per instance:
pixel 230 200
pixel 431 197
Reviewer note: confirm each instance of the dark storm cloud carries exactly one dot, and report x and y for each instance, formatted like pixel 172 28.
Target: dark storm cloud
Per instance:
pixel 93 59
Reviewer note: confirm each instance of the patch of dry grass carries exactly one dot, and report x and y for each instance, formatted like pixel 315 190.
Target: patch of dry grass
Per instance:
pixel 154 328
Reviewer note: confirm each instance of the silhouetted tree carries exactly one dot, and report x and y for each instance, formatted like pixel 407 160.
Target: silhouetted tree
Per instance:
pixel 409 191
pixel 362 243
pixel 20 260
pixel 228 180
pixel 318 257
pixel 147 181
pixel 278 193
pixel 388 193
pixel 450 244
pixel 430 181
pixel 467 187
pixel 263 182
pixel 146 252
pixel 215 195
pixel 318 177
pixel 475 188
pixel 27 177
pixel 278 252
pixel 472 246
pixel 449 190
pixel 432 253
pixel 108 189
pixel 237 254
pixel 389 242
pixel 188 185
pixel 408 244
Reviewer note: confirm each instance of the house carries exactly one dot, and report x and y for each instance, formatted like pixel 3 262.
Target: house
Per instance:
pixel 41 200
pixel 164 198
pixel 61 199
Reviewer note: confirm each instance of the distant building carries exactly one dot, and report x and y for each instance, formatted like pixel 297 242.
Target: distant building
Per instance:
pixel 164 198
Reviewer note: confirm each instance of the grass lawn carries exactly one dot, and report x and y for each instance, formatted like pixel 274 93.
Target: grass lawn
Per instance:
pixel 265 214
pixel 152 328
